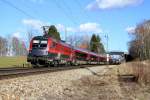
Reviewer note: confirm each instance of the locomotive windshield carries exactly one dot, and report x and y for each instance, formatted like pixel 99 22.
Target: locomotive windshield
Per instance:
pixel 39 44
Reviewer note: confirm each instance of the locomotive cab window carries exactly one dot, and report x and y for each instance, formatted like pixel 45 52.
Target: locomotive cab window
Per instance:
pixel 39 44
pixel 35 43
pixel 43 44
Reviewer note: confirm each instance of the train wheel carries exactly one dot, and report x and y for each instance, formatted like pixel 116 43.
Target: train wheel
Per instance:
pixel 76 63
pixel 55 64
pixel 34 65
pixel 67 64
pixel 46 65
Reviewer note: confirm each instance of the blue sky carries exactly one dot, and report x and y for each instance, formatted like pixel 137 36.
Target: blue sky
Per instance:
pixel 113 17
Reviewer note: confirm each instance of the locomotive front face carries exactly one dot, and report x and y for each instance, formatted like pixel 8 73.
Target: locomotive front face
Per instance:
pixel 39 47
pixel 38 50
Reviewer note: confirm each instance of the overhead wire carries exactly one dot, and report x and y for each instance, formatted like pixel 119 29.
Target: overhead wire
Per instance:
pixel 70 11
pixel 17 8
pixel 83 11
pixel 30 7
pixel 68 15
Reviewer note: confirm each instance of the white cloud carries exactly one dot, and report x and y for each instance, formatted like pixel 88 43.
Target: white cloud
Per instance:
pixel 17 35
pixel 60 27
pixel 36 24
pixel 70 29
pixel 82 28
pixel 109 4
pixel 130 29
pixel 20 35
pixel 90 28
pixel 63 28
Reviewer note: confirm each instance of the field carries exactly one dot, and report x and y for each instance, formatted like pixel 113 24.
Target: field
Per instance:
pixel 7 62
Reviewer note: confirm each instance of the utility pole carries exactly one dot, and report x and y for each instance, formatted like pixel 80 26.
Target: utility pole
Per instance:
pixel 45 29
pixel 107 55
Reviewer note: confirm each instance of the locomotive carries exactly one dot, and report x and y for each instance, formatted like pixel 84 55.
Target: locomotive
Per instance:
pixel 51 52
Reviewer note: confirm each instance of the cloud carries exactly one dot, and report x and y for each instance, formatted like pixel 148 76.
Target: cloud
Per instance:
pixel 90 28
pixel 20 35
pixel 60 27
pixel 33 23
pixel 17 34
pixel 71 29
pixel 110 4
pixel 82 28
pixel 130 29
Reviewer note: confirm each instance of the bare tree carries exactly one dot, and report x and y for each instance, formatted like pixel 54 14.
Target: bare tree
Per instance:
pixel 81 41
pixel 18 47
pixel 139 47
pixel 84 42
pixel 3 46
pixel 30 34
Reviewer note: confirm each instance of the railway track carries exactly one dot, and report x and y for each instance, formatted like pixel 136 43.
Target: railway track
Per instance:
pixel 7 73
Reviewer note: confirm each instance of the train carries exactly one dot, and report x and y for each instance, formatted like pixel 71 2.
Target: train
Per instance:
pixel 47 51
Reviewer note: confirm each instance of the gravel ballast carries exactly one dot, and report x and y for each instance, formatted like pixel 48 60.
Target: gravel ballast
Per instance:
pixel 44 86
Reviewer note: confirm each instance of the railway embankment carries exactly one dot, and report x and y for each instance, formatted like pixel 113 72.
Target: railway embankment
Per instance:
pixel 90 83
pixel 46 85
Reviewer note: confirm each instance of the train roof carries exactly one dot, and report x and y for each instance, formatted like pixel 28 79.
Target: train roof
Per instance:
pixel 80 49
pixel 40 37
pixel 65 44
pixel 86 51
pixel 94 54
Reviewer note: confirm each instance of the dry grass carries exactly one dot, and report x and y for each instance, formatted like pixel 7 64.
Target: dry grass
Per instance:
pixel 106 86
pixel 103 86
pixel 139 69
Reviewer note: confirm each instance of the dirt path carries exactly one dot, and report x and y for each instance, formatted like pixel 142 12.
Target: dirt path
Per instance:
pixel 105 86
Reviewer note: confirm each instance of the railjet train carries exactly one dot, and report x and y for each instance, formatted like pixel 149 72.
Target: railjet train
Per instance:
pixel 50 52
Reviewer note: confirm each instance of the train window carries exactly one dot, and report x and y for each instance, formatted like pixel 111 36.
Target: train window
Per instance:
pixel 43 44
pixel 35 45
pixel 36 41
pixel 81 56
pixel 39 44
pixel 93 58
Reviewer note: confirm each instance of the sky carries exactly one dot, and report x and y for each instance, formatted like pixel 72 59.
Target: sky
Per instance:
pixel 115 18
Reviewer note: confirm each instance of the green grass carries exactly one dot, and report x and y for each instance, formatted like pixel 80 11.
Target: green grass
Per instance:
pixel 7 62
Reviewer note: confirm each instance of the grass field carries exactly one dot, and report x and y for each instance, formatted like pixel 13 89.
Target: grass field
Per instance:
pixel 7 62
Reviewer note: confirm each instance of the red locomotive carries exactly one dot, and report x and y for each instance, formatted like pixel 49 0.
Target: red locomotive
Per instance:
pixel 48 51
